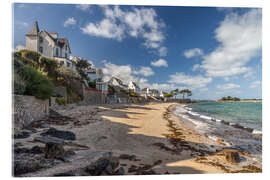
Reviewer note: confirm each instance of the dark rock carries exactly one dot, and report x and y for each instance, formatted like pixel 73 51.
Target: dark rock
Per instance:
pixel 64 174
pixel 232 157
pixel 158 162
pixel 66 135
pixel 49 140
pixel 97 168
pixel 132 168
pixel 120 171
pixel 54 151
pixel 127 156
pixel 69 153
pixel 36 150
pixel 114 162
pixel 22 167
pixel 21 135
pixel 109 170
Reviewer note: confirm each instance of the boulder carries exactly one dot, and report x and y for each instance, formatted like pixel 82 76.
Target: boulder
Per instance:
pixel 21 135
pixel 97 168
pixel 232 157
pixel 54 151
pixel 66 135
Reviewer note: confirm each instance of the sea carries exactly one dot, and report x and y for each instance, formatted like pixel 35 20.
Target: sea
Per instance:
pixel 239 124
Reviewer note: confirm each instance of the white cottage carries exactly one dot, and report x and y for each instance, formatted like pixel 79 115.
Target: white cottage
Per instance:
pixel 49 45
pixel 134 87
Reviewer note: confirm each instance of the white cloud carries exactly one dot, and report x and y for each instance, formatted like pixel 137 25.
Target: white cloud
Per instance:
pixel 83 7
pixel 255 84
pixel 195 67
pixel 106 28
pixel 228 86
pixel 138 23
pixel 193 53
pixel 192 81
pixel 159 63
pixel 240 40
pixel 69 21
pixel 145 71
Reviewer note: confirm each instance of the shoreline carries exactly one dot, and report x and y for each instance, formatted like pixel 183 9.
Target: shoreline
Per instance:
pixel 149 133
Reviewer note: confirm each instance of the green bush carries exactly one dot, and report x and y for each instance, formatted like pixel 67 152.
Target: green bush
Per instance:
pixel 33 55
pixel 18 59
pixel 61 101
pixel 37 84
pixel 50 66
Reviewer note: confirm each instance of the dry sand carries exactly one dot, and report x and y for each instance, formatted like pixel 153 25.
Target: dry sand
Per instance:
pixel 150 132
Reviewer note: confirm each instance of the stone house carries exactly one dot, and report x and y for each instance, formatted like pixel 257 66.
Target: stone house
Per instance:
pixel 49 45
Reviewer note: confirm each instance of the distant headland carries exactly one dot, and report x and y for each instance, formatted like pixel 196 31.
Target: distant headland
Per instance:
pixel 236 99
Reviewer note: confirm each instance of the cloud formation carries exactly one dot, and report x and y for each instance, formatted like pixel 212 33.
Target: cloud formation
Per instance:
pixel 159 63
pixel 188 80
pixel 255 84
pixel 69 21
pixel 144 71
pixel 228 86
pixel 138 23
pixel 83 7
pixel 240 37
pixel 193 53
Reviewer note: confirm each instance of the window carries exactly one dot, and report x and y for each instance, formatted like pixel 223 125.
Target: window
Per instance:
pixel 56 52
pixel 65 55
pixel 41 49
pixel 66 48
pixel 40 39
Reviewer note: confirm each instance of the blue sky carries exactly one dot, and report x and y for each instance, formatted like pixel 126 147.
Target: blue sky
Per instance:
pixel 215 52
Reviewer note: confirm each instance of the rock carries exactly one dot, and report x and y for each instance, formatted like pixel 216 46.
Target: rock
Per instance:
pixel 54 151
pixel 232 157
pixel 66 135
pixel 21 135
pixel 36 150
pixel 69 153
pixel 22 167
pixel 120 171
pixel 158 162
pixel 114 162
pixel 127 156
pixel 49 140
pixel 97 168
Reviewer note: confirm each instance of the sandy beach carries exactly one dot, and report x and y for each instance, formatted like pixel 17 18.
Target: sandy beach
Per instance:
pixel 141 136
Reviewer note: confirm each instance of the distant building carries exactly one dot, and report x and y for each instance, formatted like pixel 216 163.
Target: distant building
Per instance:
pixel 49 45
pixel 134 87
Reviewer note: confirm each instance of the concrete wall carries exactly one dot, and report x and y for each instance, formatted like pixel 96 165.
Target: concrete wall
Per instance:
pixel 27 109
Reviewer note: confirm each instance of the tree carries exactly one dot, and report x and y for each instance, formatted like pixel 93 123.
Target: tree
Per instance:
pixel 187 92
pixel 82 66
pixel 175 92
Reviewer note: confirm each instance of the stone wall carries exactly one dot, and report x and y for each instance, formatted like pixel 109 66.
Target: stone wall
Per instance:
pixel 94 96
pixel 27 109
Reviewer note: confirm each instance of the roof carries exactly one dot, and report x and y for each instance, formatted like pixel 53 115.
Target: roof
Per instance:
pixel 135 84
pixel 34 31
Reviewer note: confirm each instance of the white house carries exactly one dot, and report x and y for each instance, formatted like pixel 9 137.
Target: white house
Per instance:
pixel 134 87
pixel 49 45
pixel 117 82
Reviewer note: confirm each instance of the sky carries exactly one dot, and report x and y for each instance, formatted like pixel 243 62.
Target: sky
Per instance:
pixel 215 52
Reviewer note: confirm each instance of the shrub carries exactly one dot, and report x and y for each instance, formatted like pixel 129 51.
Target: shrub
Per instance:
pixel 50 66
pixel 33 55
pixel 37 84
pixel 19 59
pixel 61 101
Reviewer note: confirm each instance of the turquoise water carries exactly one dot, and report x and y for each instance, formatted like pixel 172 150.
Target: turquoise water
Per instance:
pixel 245 113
